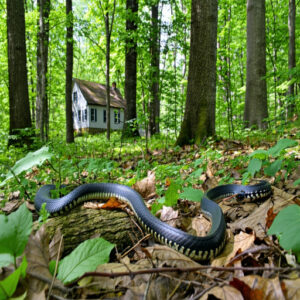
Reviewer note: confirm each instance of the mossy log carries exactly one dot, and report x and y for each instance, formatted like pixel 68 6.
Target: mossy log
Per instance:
pixel 80 224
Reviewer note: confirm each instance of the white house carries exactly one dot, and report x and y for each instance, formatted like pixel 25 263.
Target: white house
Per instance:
pixel 89 107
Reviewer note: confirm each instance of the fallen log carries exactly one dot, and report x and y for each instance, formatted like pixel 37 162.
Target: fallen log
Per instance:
pixel 80 224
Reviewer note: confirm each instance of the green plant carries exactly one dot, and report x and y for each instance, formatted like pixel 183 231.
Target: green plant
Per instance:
pixel 271 160
pixel 286 227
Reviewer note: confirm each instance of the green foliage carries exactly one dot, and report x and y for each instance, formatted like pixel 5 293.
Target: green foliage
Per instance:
pixel 262 159
pixel 15 230
pixel 86 257
pixel 9 284
pixel 286 227
pixel 30 160
pixel 191 194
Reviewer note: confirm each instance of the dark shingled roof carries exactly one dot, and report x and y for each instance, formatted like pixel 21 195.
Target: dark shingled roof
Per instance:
pixel 95 94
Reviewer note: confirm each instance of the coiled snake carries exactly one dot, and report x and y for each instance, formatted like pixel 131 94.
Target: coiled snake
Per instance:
pixel 198 248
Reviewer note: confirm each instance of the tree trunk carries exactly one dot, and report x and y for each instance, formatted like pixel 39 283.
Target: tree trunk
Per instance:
pixel 199 116
pixel 107 76
pixel 292 56
pixel 113 225
pixel 42 68
pixel 19 108
pixel 130 126
pixel 256 108
pixel 69 73
pixel 155 56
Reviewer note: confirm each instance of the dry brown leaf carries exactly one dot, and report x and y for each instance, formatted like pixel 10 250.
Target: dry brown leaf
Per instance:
pixel 146 186
pixel 169 215
pixel 225 292
pixel 256 220
pixel 291 289
pixel 37 254
pixel 201 225
pixel 271 288
pixel 167 256
pixel 242 242
pixel 11 206
pixel 54 245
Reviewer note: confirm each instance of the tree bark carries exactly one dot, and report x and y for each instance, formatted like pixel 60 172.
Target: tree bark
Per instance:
pixel 108 30
pixel 80 224
pixel 292 56
pixel 42 117
pixel 199 116
pixel 256 108
pixel 155 58
pixel 19 108
pixel 69 73
pixel 130 126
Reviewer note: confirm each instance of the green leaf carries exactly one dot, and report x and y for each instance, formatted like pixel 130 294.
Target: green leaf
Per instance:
pixel 172 194
pixel 286 227
pixel 260 154
pixel 15 230
pixel 9 284
pixel 85 258
pixel 281 145
pixel 254 166
pixel 191 194
pixel 297 182
pixel 197 173
pixel 273 168
pixel 6 259
pixel 30 160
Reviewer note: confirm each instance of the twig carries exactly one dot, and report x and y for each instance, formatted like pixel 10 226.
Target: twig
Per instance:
pixel 137 244
pixel 56 267
pixel 251 250
pixel 191 269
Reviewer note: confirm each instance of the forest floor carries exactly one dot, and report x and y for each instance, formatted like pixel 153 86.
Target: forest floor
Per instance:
pixel 253 264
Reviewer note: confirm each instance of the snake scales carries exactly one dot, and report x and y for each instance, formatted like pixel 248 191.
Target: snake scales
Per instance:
pixel 198 248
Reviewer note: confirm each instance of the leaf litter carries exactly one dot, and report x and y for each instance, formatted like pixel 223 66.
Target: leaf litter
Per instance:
pixel 247 244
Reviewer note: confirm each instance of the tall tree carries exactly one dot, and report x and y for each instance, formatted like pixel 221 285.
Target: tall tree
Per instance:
pixel 292 55
pixel 130 126
pixel 256 107
pixel 155 58
pixel 199 116
pixel 109 22
pixel 69 73
pixel 19 109
pixel 42 115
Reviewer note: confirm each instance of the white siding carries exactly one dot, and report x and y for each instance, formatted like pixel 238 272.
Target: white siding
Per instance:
pixel 81 105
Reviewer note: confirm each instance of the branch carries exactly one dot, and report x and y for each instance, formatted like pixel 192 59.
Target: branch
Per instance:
pixel 191 269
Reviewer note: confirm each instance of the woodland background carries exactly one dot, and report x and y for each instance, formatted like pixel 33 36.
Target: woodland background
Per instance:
pixel 161 30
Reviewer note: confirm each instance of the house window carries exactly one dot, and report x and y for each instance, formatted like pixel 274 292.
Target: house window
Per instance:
pixel 117 117
pixel 85 115
pixel 75 97
pixel 93 114
pixel 79 115
pixel 104 115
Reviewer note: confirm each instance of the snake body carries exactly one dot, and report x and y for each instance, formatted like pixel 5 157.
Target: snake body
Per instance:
pixel 198 248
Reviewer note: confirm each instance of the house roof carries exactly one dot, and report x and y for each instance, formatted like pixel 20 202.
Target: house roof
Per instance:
pixel 95 94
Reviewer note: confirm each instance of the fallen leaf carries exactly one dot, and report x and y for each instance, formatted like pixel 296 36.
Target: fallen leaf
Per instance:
pixel 201 225
pixel 169 215
pixel 165 255
pixel 54 245
pixel 146 186
pixel 112 203
pixel 247 292
pixel 225 292
pixel 291 289
pixel 270 217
